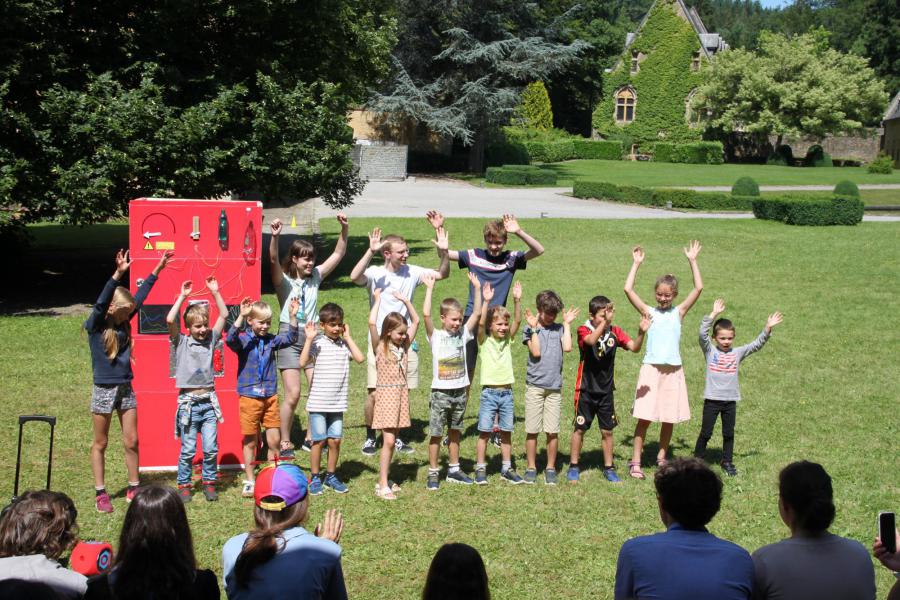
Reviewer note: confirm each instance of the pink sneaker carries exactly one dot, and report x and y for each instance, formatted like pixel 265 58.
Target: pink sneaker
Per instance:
pixel 104 505
pixel 130 492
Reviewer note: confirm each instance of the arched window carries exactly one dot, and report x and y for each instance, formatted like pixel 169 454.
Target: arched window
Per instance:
pixel 625 103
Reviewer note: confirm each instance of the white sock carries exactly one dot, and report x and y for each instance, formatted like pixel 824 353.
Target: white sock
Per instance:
pixel 454 467
pixel 506 466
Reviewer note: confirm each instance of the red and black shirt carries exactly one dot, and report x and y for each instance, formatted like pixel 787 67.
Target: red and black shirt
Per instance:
pixel 597 362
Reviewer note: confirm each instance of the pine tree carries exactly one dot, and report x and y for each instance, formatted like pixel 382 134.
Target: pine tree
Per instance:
pixel 535 111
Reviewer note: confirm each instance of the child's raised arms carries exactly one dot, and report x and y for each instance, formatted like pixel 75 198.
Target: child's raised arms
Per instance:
pixel 569 317
pixel 172 321
pixel 413 327
pixel 517 310
pixel 311 332
pixel 637 257
pixel 213 286
pixel 123 262
pixel 340 248
pixel 691 253
pixel 472 323
pixel 355 353
pixel 487 294
pixel 428 280
pixel 373 317
pixel 534 342
pixel 275 269
pixel 773 320
pixel 163 261
pixel 717 309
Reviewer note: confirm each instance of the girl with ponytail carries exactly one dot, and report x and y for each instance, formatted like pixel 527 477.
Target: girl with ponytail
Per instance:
pixel 812 563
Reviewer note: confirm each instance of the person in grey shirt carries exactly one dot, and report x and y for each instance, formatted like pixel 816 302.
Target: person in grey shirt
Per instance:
pixel 722 390
pixel 812 564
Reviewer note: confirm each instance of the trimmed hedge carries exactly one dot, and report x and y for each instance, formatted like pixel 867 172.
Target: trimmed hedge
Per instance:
pixel 506 153
pixel 602 190
pixel 803 210
pixel 550 152
pixel 697 153
pixel 846 188
pixel 599 149
pixel 520 175
pixel 664 152
pixel 817 157
pixel 745 186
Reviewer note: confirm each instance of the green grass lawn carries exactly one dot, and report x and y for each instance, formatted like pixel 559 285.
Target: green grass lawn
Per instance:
pixel 817 391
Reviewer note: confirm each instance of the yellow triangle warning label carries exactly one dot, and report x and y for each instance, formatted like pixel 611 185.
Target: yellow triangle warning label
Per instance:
pixel 148 246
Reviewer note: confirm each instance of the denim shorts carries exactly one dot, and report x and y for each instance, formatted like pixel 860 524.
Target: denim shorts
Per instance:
pixel 446 408
pixel 324 425
pixel 495 401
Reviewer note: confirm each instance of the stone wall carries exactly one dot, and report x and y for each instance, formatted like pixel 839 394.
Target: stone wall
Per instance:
pixel 862 148
pixel 380 162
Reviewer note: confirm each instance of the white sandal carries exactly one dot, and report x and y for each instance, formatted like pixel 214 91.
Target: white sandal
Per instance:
pixel 385 493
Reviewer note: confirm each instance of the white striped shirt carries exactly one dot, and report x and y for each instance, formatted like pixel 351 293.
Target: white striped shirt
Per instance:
pixel 331 375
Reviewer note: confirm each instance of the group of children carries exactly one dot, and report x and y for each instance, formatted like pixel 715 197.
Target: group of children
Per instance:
pixel 318 341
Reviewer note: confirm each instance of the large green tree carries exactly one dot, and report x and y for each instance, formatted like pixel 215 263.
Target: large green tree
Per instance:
pixel 101 104
pixel 792 86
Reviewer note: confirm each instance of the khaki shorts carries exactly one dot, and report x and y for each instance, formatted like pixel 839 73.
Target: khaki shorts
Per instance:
pixel 254 412
pixel 412 368
pixel 541 410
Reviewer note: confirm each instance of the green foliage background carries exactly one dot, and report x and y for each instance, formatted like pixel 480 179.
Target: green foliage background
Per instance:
pixel 662 82
pixel 534 110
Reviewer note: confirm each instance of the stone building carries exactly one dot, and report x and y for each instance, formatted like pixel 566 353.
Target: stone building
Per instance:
pixel 890 140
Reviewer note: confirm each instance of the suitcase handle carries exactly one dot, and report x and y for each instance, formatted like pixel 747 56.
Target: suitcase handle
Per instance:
pixel 46 419
pixel 51 421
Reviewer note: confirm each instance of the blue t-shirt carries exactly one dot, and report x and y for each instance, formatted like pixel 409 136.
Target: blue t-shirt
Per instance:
pixel 683 563
pixel 497 270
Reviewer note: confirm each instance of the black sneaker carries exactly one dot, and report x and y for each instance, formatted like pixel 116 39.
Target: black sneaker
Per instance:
pixel 369 447
pixel 402 447
pixel 434 481
pixel 729 469
pixel 495 439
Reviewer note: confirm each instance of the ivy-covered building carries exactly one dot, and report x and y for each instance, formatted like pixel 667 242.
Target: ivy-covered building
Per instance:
pixel 649 93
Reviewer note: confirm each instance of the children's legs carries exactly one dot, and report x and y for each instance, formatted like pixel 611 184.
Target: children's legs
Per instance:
pixel 481 447
pixel 552 448
pixel 607 447
pixel 454 446
pixel 434 449
pixel 250 443
pixel 334 453
pixel 98 447
pixel 315 457
pixel 128 421
pixel 273 441
pixel 188 448
pixel 369 407
pixel 387 452
pixel 208 432
pixel 665 436
pixel 575 446
pixel 531 450
pixel 710 414
pixel 291 379
pixel 506 446
pixel 640 431
pixel 728 417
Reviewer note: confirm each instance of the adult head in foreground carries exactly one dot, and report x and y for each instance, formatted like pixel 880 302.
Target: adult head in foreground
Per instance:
pixel 812 563
pixel 685 561
pixel 456 573
pixel 281 559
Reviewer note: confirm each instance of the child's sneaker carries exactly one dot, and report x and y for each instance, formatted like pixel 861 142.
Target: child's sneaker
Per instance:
pixel 287 451
pixel 729 469
pixel 247 489
pixel 610 474
pixel 459 477
pixel 104 504
pixel 495 438
pixel 434 481
pixel 530 476
pixel 315 486
pixel 335 484
pixel 481 476
pixel 306 445
pixel 512 477
pixel 402 447
pixel 209 491
pixel 573 475
pixel 184 492
pixel 550 476
pixel 369 447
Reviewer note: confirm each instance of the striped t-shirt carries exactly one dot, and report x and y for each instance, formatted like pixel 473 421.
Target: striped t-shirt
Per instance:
pixel 331 374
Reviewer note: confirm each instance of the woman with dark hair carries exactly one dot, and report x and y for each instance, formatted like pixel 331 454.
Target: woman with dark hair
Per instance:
pixel 35 531
pixel 456 573
pixel 155 558
pixel 280 559
pixel 813 563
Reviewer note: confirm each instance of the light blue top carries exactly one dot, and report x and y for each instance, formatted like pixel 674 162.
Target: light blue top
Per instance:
pixel 664 338
pixel 305 567
pixel 306 290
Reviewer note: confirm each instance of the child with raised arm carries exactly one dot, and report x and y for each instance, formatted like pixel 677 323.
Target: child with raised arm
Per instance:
pixel 257 384
pixel 661 394
pixel 722 390
pixel 450 379
pixel 598 340
pixel 198 407
pixel 391 394
pixel 298 277
pixel 330 352
pixel 495 335
pixel 109 339
pixel 547 340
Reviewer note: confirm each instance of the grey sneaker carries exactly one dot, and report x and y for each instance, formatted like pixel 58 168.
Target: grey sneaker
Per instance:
pixel 550 476
pixel 434 481
pixel 369 447
pixel 402 447
pixel 480 476
pixel 512 477
pixel 459 477
pixel 530 475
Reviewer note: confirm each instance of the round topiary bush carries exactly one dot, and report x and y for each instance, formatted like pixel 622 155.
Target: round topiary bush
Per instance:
pixel 846 188
pixel 745 186
pixel 817 157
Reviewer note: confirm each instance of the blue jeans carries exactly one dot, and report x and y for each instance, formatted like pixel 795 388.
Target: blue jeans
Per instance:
pixel 495 401
pixel 323 426
pixel 203 421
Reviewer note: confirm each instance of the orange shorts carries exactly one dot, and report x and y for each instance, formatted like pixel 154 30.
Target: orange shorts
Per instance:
pixel 258 411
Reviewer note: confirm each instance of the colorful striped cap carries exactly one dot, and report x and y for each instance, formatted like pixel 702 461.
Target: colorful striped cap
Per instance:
pixel 279 486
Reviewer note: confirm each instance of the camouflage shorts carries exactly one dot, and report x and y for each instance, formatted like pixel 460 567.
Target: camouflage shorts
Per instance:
pixel 109 397
pixel 447 408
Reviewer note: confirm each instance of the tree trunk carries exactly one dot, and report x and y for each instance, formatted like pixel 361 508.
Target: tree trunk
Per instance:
pixel 476 152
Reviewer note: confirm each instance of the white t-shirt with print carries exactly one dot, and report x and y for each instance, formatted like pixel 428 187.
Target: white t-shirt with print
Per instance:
pixel 448 357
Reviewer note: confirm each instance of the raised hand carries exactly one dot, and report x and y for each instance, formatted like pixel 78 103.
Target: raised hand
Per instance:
pixel 473 279
pixel 570 315
pixel 123 261
pixel 637 255
pixel 212 285
pixel 310 330
pixel 428 280
pixel 773 320
pixel 443 240
pixel 333 527
pixel 510 224
pixel 644 325
pixel 276 226
pixel 399 296
pixel 345 332
pixel 186 288
pixel 692 250
pixel 487 292
pixel 516 291
pixel 376 293
pixel 246 306
pixel 163 261
pixel 435 218
pixel 294 306
pixel 718 306
pixel 531 319
pixel 342 219
pixel 375 243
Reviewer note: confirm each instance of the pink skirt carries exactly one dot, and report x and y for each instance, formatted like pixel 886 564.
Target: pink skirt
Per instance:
pixel 661 394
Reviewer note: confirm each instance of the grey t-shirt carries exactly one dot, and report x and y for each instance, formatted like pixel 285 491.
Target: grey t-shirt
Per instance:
pixel 193 361
pixel 824 567
pixel 722 367
pixel 545 372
